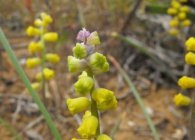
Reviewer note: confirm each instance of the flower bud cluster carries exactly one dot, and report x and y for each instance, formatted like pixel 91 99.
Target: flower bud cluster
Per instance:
pixel 186 82
pixel 40 58
pixel 89 63
pixel 179 19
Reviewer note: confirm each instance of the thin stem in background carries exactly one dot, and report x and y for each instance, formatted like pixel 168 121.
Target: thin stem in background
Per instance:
pixel 27 83
pixel 43 65
pixel 137 97
pixel 130 16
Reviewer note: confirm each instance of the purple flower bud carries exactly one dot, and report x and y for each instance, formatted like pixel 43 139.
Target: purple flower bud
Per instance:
pixel 82 35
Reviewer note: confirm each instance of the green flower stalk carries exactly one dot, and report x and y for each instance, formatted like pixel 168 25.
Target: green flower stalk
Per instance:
pixel 89 63
pixel 38 50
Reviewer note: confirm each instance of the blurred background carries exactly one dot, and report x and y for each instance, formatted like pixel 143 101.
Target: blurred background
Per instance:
pixel 134 32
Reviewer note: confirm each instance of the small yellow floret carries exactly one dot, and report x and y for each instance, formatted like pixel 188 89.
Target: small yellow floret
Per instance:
pixel 175 4
pixel 174 23
pixel 181 15
pixel 34 47
pixel 36 86
pixel 184 9
pixel 172 11
pixel 186 82
pixel 52 58
pixel 181 100
pixel 186 23
pixel 48 74
pixel 38 22
pixel 33 62
pixel 190 58
pixel 190 44
pixel 174 31
pixel 46 19
pixel 32 31
pixel 51 37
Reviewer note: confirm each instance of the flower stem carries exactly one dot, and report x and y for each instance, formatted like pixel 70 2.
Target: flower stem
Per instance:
pixel 27 83
pixel 43 65
pixel 94 110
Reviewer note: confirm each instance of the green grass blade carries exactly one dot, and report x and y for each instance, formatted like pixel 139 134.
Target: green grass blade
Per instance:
pixel 27 83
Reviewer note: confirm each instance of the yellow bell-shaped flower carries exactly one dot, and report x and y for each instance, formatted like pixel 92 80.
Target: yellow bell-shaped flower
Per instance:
pixel 88 127
pixel 190 44
pixel 190 58
pixel 50 37
pixel 103 137
pixel 84 84
pixel 104 98
pixel 76 65
pixel 78 105
pixel 98 63
pixel 186 82
pixel 181 100
pixel 32 31
pixel 52 58
pixel 33 62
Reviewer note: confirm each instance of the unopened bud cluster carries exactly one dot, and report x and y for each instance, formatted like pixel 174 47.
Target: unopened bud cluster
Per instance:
pixel 179 19
pixel 89 63
pixel 187 82
pixel 39 56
